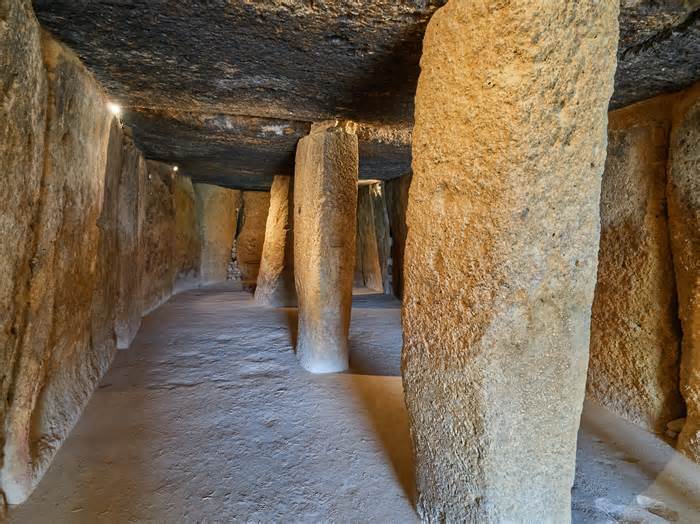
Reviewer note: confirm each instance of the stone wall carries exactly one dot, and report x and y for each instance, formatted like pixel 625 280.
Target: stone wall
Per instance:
pixel 89 241
pixel 372 239
pixel 635 336
pixel 397 202
pixel 251 235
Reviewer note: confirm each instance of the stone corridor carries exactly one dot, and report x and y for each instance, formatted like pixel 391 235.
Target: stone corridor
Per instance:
pixel 209 418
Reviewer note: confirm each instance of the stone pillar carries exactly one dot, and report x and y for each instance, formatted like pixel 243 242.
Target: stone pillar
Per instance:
pixel 217 214
pixel 368 270
pixel 397 201
pixel 381 228
pixel 635 340
pixel 501 256
pixel 276 276
pixel 325 200
pixel 683 192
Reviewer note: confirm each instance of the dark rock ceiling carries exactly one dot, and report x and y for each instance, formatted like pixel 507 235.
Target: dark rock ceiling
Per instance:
pixel 224 88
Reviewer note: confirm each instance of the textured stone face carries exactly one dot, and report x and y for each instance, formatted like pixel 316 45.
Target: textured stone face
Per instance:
pixel 251 235
pixel 187 242
pixel 57 367
pixel 635 336
pixel 325 201
pixel 158 237
pixel 217 214
pixel 397 202
pixel 503 228
pixel 22 126
pixel 131 216
pixel 372 241
pixel 276 276
pixel 684 219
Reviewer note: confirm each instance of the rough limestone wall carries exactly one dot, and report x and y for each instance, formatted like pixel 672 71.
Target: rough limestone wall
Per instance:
pixel 509 147
pixel 158 237
pixel 187 239
pixel 217 214
pixel 251 236
pixel 275 285
pixel 368 270
pixel 381 227
pixel 56 367
pixel 397 202
pixel 683 192
pixel 23 93
pixel 131 215
pixel 635 336
pixel 325 204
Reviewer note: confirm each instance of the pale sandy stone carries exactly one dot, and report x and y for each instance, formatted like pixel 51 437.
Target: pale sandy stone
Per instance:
pixel 251 235
pixel 22 126
pixel 635 336
pixel 187 237
pixel 57 366
pixel 368 269
pixel 276 276
pixel 683 192
pixel 382 233
pixel 131 215
pixel 325 202
pixel 217 215
pixel 503 221
pixel 158 237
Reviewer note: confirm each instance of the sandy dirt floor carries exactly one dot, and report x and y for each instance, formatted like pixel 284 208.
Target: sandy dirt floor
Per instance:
pixel 208 418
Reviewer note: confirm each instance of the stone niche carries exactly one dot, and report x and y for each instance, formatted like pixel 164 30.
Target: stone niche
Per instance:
pixel 251 235
pixel 635 333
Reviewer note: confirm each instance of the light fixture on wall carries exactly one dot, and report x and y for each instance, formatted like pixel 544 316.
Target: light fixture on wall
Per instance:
pixel 115 109
pixel 176 169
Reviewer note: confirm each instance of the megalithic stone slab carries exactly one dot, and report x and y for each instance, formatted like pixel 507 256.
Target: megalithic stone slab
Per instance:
pixel 503 221
pixel 325 200
pixel 276 276
pixel 683 192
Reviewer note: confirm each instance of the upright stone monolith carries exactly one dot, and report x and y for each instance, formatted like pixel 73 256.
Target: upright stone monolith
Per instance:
pixel 276 275
pixel 683 192
pixel 325 200
pixel 501 256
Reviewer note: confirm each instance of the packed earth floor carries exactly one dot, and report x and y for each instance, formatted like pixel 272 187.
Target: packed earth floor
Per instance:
pixel 209 418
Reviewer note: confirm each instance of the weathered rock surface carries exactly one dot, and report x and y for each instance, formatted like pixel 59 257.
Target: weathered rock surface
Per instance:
pixel 372 240
pixel 635 336
pixel 325 202
pixel 56 366
pixel 251 234
pixel 187 238
pixel 501 256
pixel 217 215
pixel 22 127
pixel 397 202
pixel 683 194
pixel 158 239
pixel 132 210
pixel 276 276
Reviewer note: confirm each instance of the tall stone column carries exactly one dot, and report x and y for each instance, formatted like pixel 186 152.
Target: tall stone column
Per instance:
pixel 503 226
pixel 276 275
pixel 325 200
pixel 683 193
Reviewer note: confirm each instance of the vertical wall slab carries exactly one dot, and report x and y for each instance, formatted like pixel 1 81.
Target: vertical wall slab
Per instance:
pixel 217 215
pixel 368 269
pixel 325 202
pixel 57 367
pixel 635 336
pixel 276 276
pixel 131 204
pixel 684 219
pixel 158 238
pixel 503 228
pixel 187 242
pixel 22 128
pixel 381 228
pixel 251 235
pixel 397 202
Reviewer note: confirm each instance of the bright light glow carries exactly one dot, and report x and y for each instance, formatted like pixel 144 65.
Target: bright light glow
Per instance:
pixel 176 169
pixel 115 109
